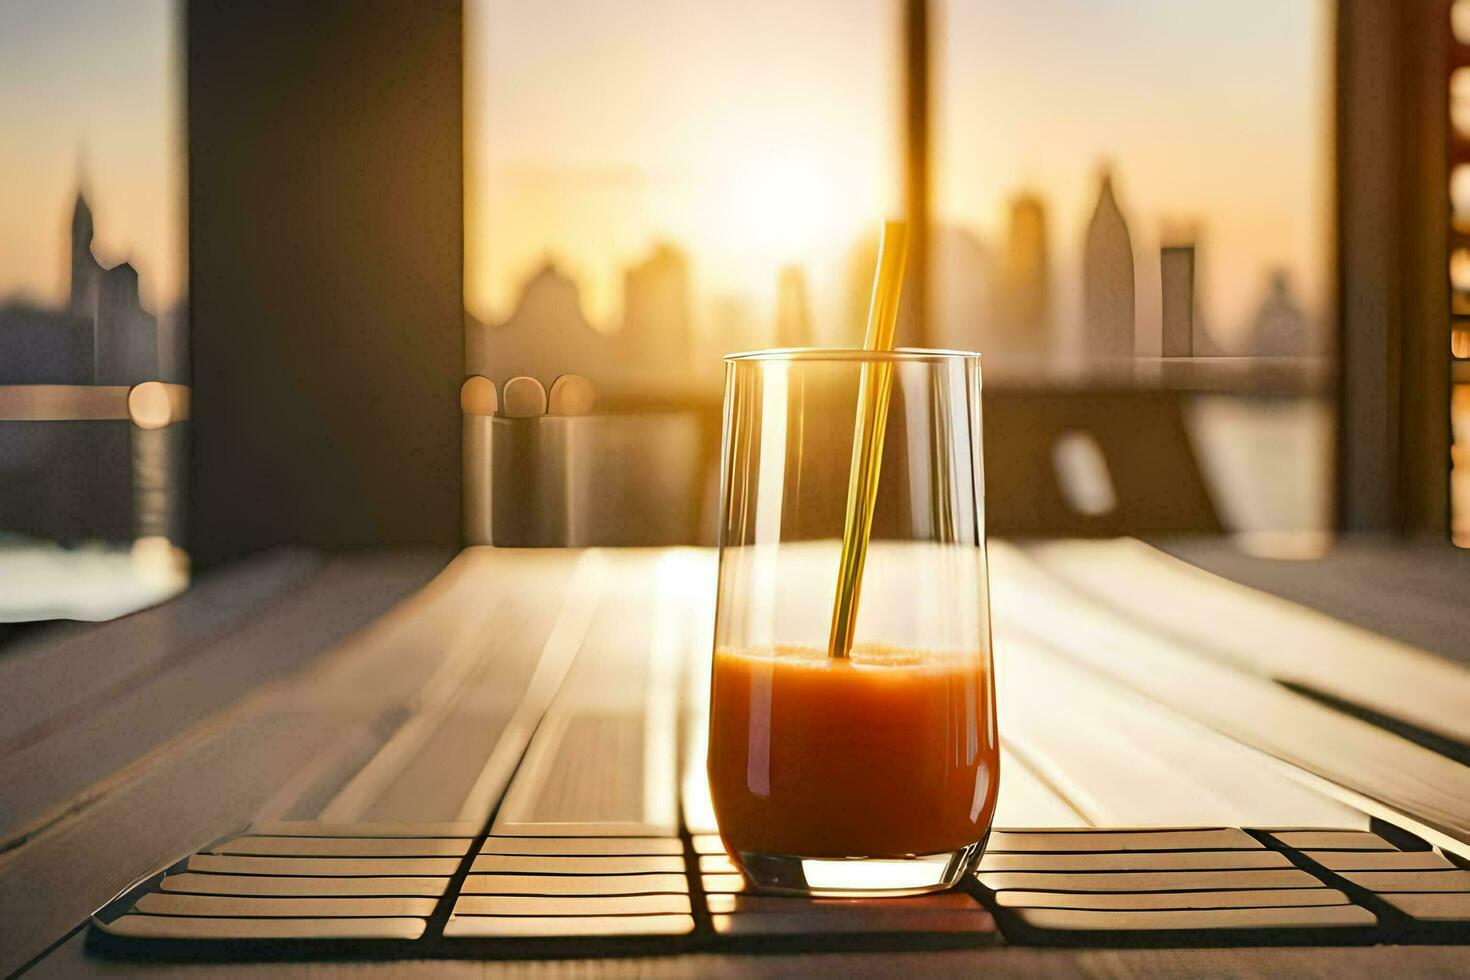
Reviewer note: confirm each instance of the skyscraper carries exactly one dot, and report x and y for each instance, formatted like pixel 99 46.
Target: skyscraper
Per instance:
pixel 1107 280
pixel 656 329
pixel 1025 299
pixel 963 314
pixel 103 336
pixel 86 271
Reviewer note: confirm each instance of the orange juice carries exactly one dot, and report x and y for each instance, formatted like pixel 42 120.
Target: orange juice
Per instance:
pixel 889 753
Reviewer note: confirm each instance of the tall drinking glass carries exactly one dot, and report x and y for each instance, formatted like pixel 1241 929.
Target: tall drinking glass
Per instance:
pixel 875 773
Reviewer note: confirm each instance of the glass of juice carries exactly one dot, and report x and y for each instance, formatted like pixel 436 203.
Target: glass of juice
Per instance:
pixel 874 773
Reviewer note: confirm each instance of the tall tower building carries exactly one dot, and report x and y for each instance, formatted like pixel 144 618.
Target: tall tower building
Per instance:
pixel 1026 279
pixel 1107 280
pixel 86 271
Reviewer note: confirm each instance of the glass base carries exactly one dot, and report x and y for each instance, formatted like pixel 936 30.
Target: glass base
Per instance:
pixel 859 877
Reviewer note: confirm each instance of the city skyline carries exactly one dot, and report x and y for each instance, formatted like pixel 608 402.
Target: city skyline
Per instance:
pixel 93 86
pixel 1217 117
pixel 100 333
pixel 785 170
pixel 1005 310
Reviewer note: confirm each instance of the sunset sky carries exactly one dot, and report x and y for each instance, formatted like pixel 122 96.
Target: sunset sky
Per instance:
pixel 766 132
pixel 753 135
pixel 100 76
pixel 1211 112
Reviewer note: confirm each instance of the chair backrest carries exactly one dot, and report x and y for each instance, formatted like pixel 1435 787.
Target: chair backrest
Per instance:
pixel 1091 463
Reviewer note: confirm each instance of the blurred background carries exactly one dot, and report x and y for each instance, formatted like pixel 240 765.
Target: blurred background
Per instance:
pixel 93 301
pixel 1141 214
pixel 652 185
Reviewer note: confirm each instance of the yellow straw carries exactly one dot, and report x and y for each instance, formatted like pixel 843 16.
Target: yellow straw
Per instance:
pixel 867 436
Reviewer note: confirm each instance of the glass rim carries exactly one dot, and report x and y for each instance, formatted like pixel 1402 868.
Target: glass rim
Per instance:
pixel 848 354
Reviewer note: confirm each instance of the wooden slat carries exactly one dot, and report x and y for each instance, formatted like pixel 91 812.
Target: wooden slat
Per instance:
pixel 50 678
pixel 708 844
pixel 1332 840
pixel 184 798
pixel 584 596
pixel 724 883
pixel 1136 861
pixel 1140 901
pixel 655 904
pixel 285 886
pixel 322 867
pixel 180 927
pixel 503 629
pixel 1431 907
pixel 1025 799
pixel 382 828
pixel 606 753
pixel 1123 760
pixel 1411 881
pixel 343 846
pixel 1302 917
pixel 582 846
pixel 253 906
pixel 546 927
pixel 1381 860
pixel 543 884
pixel 126 721
pixel 1048 842
pixel 1413 590
pixel 1267 634
pixel 605 865
pixel 1147 881
pixel 717 864
pixel 575 883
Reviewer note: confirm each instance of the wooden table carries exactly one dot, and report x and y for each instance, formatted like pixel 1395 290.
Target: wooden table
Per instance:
pixel 541 693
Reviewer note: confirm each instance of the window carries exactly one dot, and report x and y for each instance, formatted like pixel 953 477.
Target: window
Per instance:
pixel 1134 198
pixel 92 308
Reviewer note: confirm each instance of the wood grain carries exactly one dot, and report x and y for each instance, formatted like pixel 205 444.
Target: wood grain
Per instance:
pixel 1136 861
pixel 181 927
pixel 1141 901
pixel 256 906
pixel 1298 917
pixel 1052 841
pixel 659 903
pixel 588 846
pixel 1147 881
pixel 343 846
pixel 1376 771
pixel 286 886
pixel 546 927
pixel 1267 635
pixel 544 884
pixel 1381 860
